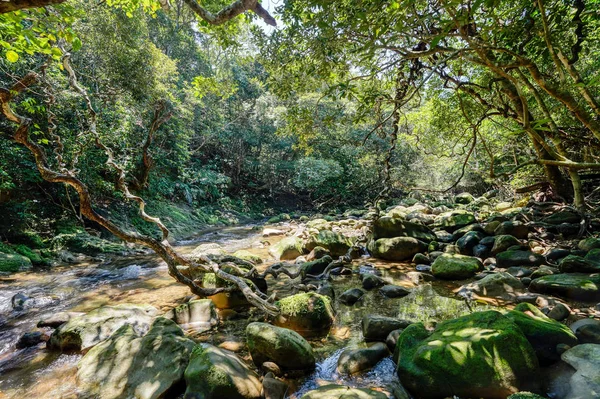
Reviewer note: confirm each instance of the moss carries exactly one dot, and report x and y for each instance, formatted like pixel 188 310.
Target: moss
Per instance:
pixel 455 267
pixel 86 244
pixel 35 258
pixel 12 263
pixel 249 256
pixel 308 313
pixel 303 304
pixel 525 395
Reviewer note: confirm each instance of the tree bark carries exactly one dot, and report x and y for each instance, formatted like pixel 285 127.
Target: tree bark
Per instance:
pixel 14 5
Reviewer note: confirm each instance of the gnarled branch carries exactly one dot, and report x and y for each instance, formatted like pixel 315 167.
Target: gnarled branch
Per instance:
pixel 231 11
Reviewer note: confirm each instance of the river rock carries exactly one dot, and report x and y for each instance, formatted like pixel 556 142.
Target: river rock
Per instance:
pixel 317 253
pixel 565 216
pixel 370 281
pixel 398 248
pixel 580 287
pixel 455 267
pixel 282 346
pixel 120 366
pixel 464 198
pixel 353 361
pixel 513 228
pixel 497 285
pixel 315 267
pixel 334 242
pixel 585 383
pixel 56 319
pixel 394 291
pixel 333 391
pixel 425 305
pixel 351 296
pixel 12 263
pixel 388 227
pixel 273 388
pixel 469 241
pixel 483 354
pixel 518 258
pixel 589 243
pixel 30 339
pixel 503 242
pixel 287 249
pixel 589 334
pixel 248 256
pixel 559 312
pixel 217 373
pixel 544 271
pixel 578 264
pixel 200 315
pixel 377 328
pixel 454 220
pixel 543 333
pixel 83 332
pixel 308 313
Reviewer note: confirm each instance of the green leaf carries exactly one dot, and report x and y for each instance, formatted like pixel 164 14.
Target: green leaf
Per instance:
pixel 12 56
pixel 76 44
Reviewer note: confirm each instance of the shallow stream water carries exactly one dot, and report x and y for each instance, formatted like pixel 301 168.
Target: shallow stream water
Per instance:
pixel 38 373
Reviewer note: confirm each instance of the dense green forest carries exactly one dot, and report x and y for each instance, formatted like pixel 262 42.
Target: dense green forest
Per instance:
pixel 443 155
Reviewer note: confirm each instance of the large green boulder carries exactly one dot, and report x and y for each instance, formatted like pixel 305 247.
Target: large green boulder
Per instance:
pixel 454 220
pixel 455 267
pixel 215 373
pixel 425 305
pixel 287 249
pixel 503 242
pixel 389 227
pixel 398 249
pixel 580 287
pixel 543 333
pixel 83 332
pixel 333 391
pixel 130 366
pixel 589 243
pixel 309 313
pixel 283 346
pixel 12 263
pixel 315 267
pixel 336 243
pixel 481 355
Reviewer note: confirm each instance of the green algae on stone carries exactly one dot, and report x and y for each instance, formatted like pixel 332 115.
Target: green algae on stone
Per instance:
pixel 483 354
pixel 455 267
pixel 12 263
pixel 306 313
pixel 398 248
pixel 581 287
pixel 335 242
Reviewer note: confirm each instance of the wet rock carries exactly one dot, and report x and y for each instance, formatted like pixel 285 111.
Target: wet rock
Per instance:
pixel 392 338
pixel 334 242
pixel 589 243
pixel 464 198
pixel 216 373
pixel 467 242
pixel 273 388
pixel 270 367
pixel 387 227
pixel 581 287
pixel 559 312
pixel 425 305
pixel 377 328
pixel 497 285
pixel 327 290
pixel 543 333
pixel 119 367
pixel 519 271
pixel 421 259
pixel 56 319
pixel 351 296
pixel 423 268
pixel 200 315
pixel 315 267
pixel 544 271
pixel 13 263
pixel 317 253
pixel 393 291
pixel 577 264
pixel 526 281
pixel 585 383
pixel 18 301
pixel 287 249
pixel 589 334
pixel 249 256
pixel 455 267
pixel 308 313
pixel 30 339
pixel 284 347
pixel 503 242
pixel 353 361
pixel 518 258
pixel 513 228
pixel 83 332
pixel 343 392
pixel 495 359
pixel 399 248
pixel 443 236
pixel 481 251
pixel 370 281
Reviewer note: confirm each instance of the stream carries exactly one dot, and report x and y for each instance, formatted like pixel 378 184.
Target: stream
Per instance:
pixel 38 373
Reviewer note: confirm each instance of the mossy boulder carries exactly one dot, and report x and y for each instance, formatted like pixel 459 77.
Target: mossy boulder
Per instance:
pixel 542 332
pixel 398 248
pixel 483 354
pixel 455 267
pixel 425 305
pixel 216 373
pixel 287 249
pixel 589 243
pixel 377 327
pixel 333 391
pixel 249 256
pixel 315 267
pixel 282 346
pixel 580 287
pixel 128 365
pixel 335 242
pixel 13 263
pixel 83 332
pixel 454 220
pixel 497 285
pixel 309 314
pixel 356 360
pixel 389 227
pixel 513 228
pixel 464 198
pixel 87 244
pixel 578 264
pixel 503 242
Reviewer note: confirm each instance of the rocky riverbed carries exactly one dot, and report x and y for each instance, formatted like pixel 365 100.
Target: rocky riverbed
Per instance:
pixel 465 297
